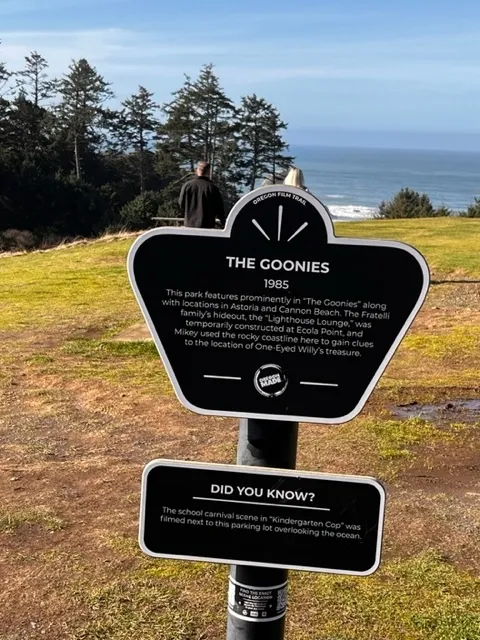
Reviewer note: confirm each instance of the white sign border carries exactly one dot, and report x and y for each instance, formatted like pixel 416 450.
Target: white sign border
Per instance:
pixel 331 239
pixel 262 471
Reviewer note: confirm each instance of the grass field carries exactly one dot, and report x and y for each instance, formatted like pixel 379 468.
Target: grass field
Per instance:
pixel 81 413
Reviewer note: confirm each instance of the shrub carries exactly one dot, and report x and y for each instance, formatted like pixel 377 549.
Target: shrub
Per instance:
pixel 17 240
pixel 443 212
pixel 408 203
pixel 473 211
pixel 138 213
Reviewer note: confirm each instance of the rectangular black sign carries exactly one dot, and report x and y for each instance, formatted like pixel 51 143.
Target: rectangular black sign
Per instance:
pixel 262 517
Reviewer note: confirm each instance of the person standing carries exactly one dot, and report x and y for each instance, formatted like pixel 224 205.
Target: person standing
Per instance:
pixel 201 201
pixel 295 178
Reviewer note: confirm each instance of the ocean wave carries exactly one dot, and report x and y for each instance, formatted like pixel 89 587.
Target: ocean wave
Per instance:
pixel 352 212
pixel 335 196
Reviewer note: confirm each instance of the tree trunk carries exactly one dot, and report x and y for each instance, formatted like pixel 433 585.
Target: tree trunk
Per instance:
pixel 37 91
pixel 254 158
pixel 190 147
pixel 77 158
pixel 206 144
pixel 214 144
pixel 252 180
pixel 142 172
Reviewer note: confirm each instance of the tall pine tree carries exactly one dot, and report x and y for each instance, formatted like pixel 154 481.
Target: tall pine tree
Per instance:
pixel 137 124
pixel 178 135
pixel 5 76
pixel 261 143
pixel 34 80
pixel 275 146
pixel 4 106
pixel 214 115
pixel 252 133
pixel 30 120
pixel 83 91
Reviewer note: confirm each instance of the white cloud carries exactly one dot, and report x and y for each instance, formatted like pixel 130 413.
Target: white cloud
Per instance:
pixel 120 49
pixel 159 59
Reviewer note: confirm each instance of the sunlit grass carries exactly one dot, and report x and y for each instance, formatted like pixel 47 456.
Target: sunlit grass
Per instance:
pixel 11 520
pixel 449 244
pixel 460 341
pixel 418 598
pixel 422 598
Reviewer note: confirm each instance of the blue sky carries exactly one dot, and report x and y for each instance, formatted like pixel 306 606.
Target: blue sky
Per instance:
pixel 363 72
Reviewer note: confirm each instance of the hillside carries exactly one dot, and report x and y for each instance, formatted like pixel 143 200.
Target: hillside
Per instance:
pixel 81 413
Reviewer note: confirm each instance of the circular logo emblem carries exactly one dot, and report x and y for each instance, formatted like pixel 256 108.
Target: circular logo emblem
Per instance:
pixel 270 380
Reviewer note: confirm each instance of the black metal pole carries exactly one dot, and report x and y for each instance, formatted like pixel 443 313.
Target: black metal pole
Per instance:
pixel 261 443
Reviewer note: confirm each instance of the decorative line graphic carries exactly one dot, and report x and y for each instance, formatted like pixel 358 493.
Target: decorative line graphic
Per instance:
pixel 319 384
pixel 263 504
pixel 280 216
pixel 304 225
pixel 260 229
pixel 222 377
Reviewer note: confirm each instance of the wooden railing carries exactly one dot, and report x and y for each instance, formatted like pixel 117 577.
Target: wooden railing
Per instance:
pixel 176 221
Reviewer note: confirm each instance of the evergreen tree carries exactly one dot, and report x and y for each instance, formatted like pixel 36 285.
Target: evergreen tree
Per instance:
pixel 81 113
pixel 5 76
pixel 31 122
pixel 407 203
pixel 275 145
pixel 473 210
pixel 179 133
pixel 4 106
pixel 34 81
pixel 28 129
pixel 113 151
pixel 261 142
pixel 199 125
pixel 253 133
pixel 136 127
pixel 4 124
pixel 214 115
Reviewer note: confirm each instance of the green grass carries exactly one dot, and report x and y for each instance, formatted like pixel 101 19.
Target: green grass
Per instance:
pixel 137 608
pixel 422 598
pixel 160 601
pixel 448 244
pixel 87 283
pixel 59 311
pixel 12 520
pixel 102 349
pixel 418 598
pixel 460 342
pixel 382 446
pixel 397 438
pixel 79 285
pixel 136 364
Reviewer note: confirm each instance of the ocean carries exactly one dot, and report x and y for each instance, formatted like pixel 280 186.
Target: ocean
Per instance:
pixel 353 182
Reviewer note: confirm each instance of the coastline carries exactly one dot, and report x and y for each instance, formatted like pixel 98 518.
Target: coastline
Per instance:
pixel 352 182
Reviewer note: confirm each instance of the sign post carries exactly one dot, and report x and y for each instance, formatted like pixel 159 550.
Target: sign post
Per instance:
pixel 261 443
pixel 273 320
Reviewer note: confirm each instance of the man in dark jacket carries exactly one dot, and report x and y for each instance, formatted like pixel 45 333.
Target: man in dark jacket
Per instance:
pixel 201 200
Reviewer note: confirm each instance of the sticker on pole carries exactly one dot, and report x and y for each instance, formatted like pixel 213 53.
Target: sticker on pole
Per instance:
pixel 257 604
pixel 275 317
pixel 261 517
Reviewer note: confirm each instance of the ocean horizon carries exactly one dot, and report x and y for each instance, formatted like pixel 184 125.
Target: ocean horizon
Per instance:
pixel 352 182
